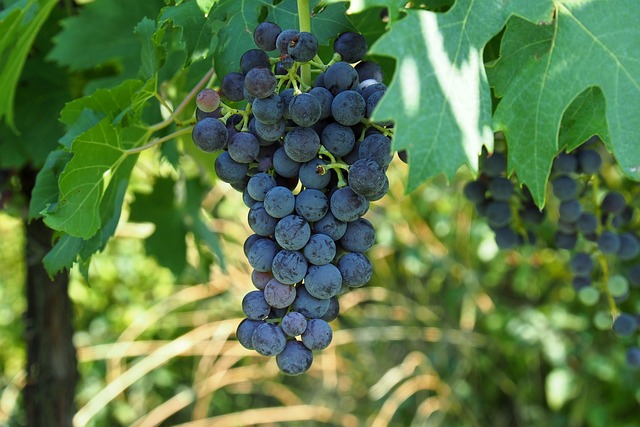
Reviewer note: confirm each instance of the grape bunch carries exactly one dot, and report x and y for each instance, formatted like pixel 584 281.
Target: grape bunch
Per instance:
pixel 308 161
pixel 598 225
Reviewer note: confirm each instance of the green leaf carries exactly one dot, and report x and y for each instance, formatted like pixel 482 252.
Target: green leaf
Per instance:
pixel 63 254
pixel 152 51
pixel 45 191
pixel 98 153
pixel 19 25
pixel 238 18
pixel 584 118
pixel 586 49
pixel 175 209
pixel 196 29
pixel 103 33
pixel 439 96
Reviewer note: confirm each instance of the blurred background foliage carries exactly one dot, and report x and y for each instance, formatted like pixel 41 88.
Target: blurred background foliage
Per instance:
pixel 449 332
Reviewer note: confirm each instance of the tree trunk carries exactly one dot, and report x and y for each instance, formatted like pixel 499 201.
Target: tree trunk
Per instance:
pixel 51 357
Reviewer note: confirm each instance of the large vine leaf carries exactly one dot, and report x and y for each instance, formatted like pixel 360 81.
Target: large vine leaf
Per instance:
pixel 589 44
pixel 439 96
pixel 103 32
pixel 19 25
pixel 238 18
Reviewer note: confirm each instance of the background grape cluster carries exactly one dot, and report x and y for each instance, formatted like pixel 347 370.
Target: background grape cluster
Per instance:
pixel 589 214
pixel 308 161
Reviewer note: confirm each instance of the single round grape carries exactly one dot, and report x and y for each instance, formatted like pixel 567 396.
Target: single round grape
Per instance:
pixel 289 267
pixel 624 325
pixel 279 295
pixel 494 165
pixel 292 232
pixel 303 47
pixel 589 161
pixel 340 77
pixel 570 210
pixel 580 282
pixel 265 35
pixel 260 221
pixel 305 109
pixel 609 242
pixel 498 213
pixel 301 144
pixel 260 279
pixel 311 204
pixel 259 185
pixel 338 139
pixel 506 238
pixel 355 268
pixel 260 82
pixel 359 236
pixel 565 163
pixel 295 359
pixel 501 188
pixel 228 170
pixel 244 147
pixel 633 275
pixel 323 281
pixel 210 135
pixel 318 335
pixel 351 46
pixel 270 132
pixel 565 188
pixel 475 191
pixel 587 223
pixel 348 107
pixel 320 249
pixel 254 305
pixel 268 339
pixel 581 264
pixel 347 205
pixel 279 202
pixel 293 323
pixel 313 175
pixel 613 202
pixel 253 58
pixel 232 86
pixel 268 110
pixel 207 100
pixel 260 255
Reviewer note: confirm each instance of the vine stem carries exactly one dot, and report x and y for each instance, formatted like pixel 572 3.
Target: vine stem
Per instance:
pixel 161 125
pixel 304 19
pixel 159 141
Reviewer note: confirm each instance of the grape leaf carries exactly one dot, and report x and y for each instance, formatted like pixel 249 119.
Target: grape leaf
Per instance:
pixel 196 30
pixel 439 96
pixel 238 18
pixel 584 118
pixel 152 51
pixel 98 153
pixel 173 219
pixel 103 33
pixel 591 46
pixel 19 25
pixel 45 191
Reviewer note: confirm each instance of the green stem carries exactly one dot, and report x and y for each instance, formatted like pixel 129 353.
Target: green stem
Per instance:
pixel 173 117
pixel 304 19
pixel 159 141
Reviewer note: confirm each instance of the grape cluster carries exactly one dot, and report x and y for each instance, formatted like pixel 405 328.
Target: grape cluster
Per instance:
pixel 308 161
pixel 597 225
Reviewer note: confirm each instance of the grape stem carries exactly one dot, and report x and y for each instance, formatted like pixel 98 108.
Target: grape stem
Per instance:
pixel 304 19
pixel 159 141
pixel 185 102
